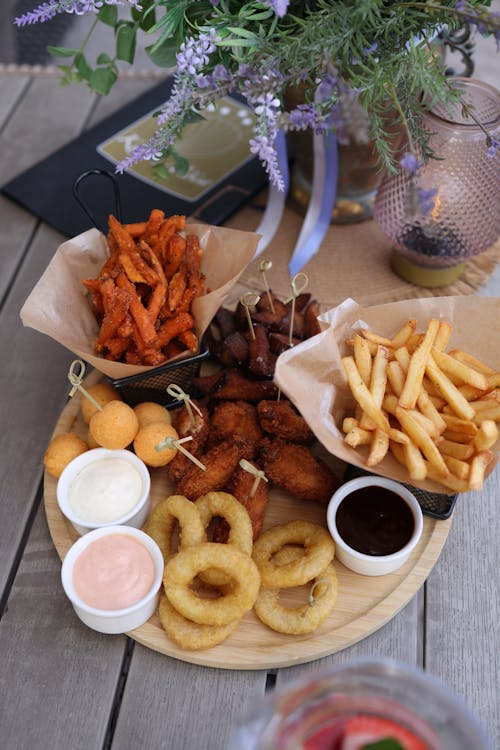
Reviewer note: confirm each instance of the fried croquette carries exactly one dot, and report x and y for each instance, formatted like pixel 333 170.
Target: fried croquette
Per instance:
pixel 149 412
pixel 103 393
pixel 147 440
pixel 115 426
pixel 61 450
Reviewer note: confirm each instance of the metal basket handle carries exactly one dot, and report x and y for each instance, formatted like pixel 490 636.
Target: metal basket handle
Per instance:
pixel 116 192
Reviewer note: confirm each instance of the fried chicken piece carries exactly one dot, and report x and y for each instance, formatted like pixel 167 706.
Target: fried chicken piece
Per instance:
pixel 220 462
pixel 240 485
pixel 262 361
pixel 311 322
pixel 281 419
pixel 296 470
pixel 235 419
pixel 184 427
pixel 236 387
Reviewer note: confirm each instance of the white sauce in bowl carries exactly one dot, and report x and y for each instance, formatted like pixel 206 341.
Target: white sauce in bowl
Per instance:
pixel 105 490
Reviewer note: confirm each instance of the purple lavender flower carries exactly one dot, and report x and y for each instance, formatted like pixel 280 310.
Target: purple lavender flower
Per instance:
pixel 195 52
pixel 426 199
pixel 493 146
pixel 266 151
pixel 47 11
pixel 409 163
pixel 280 7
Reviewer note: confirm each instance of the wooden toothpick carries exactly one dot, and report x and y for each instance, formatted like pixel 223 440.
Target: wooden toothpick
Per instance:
pixel 266 265
pixel 171 443
pixel 257 473
pixel 250 300
pixel 176 392
pixel 298 283
pixel 75 377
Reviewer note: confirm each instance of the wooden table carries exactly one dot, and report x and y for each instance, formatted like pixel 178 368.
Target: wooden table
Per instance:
pixel 64 686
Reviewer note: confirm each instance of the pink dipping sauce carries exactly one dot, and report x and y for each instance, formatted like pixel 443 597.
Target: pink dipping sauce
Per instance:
pixel 113 572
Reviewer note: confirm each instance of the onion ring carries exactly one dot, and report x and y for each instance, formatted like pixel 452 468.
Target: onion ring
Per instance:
pixel 240 526
pixel 319 551
pixel 190 635
pixel 305 618
pixel 163 518
pixel 181 569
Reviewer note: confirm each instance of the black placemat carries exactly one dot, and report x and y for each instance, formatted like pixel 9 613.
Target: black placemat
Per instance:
pixel 46 188
pixel 435 504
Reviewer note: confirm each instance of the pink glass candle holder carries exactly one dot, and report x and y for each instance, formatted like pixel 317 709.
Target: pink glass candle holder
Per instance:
pixel 430 247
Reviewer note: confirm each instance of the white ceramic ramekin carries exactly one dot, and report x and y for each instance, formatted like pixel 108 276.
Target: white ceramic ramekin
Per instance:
pixel 120 620
pixel 373 565
pixel 135 517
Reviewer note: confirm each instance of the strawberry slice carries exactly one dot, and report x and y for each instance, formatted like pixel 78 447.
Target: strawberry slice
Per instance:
pixel 361 731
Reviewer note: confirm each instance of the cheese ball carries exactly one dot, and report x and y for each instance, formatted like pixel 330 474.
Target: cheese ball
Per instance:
pixel 149 437
pixel 103 394
pixel 61 450
pixel 149 412
pixel 91 441
pixel 115 426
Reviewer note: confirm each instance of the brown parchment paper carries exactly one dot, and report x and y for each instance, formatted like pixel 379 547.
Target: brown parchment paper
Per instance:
pixel 58 305
pixel 312 376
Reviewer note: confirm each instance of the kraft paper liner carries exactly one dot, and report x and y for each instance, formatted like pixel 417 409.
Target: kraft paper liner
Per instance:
pixel 59 307
pixel 312 376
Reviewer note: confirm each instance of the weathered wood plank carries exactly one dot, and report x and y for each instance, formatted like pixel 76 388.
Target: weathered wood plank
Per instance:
pixel 12 87
pixel 58 678
pixel 187 707
pixel 463 607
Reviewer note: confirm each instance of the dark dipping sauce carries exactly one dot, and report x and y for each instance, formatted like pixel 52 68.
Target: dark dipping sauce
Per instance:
pixel 375 521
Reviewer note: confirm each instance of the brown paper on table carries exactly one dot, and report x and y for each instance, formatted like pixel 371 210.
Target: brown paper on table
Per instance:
pixel 59 307
pixel 312 376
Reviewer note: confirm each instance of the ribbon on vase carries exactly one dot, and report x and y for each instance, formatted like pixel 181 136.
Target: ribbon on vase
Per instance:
pixel 321 203
pixel 276 198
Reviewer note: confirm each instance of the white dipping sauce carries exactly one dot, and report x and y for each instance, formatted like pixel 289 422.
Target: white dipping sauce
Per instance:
pixel 105 490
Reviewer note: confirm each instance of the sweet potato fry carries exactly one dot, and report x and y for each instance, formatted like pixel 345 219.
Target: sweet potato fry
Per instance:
pixel 139 313
pixel 174 254
pixel 116 305
pixel 153 225
pixel 176 288
pixel 122 238
pixel 172 327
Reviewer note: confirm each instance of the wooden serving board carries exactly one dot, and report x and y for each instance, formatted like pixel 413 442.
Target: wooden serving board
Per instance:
pixel 364 603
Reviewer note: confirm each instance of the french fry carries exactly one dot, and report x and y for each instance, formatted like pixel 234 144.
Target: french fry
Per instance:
pixel 378 381
pixel 356 436
pixel 422 439
pixel 404 333
pixel 375 338
pixel 460 469
pixel 398 436
pixel 471 361
pixel 363 358
pixel 395 376
pixel 492 413
pixel 442 336
pixel 428 409
pixel 456 400
pixel 456 437
pixel 417 367
pixel 378 447
pixel 363 395
pixel 426 423
pixel 487 435
pixel 462 426
pixel 462 372
pixel 414 461
pixel 478 467
pixel 456 450
pixel 450 481
pixel 349 423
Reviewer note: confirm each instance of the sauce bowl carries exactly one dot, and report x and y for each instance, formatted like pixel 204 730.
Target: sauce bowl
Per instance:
pixel 113 621
pixel 397 514
pixel 135 515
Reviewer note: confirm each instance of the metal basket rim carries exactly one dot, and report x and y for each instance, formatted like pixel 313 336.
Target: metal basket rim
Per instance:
pixel 154 372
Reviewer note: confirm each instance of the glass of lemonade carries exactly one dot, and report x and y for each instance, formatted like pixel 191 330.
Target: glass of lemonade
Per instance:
pixel 350 706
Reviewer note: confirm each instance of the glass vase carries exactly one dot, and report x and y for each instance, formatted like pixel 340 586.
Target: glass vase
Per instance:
pixel 431 247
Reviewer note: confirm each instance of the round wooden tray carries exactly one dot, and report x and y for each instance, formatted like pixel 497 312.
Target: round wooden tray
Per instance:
pixel 364 604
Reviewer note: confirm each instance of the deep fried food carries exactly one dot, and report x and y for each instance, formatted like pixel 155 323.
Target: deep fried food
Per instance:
pixel 305 618
pixel 61 450
pixel 226 506
pixel 188 563
pixel 220 462
pixel 295 469
pixel 262 361
pixel 319 551
pixel 197 429
pixel 240 485
pixel 148 439
pixel 236 387
pixel 235 419
pixel 164 518
pixel 281 419
pixel 148 412
pixel 115 426
pixel 100 392
pixel 190 635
